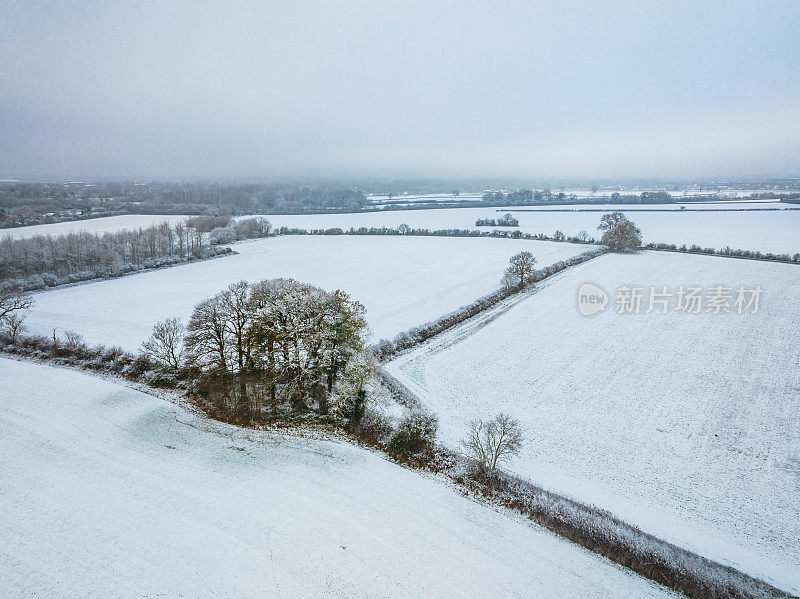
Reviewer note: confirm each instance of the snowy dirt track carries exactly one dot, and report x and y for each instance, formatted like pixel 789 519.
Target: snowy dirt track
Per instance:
pixel 109 492
pixel 683 424
pixel 402 281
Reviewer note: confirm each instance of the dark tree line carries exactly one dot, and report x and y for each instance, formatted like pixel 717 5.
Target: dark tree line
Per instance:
pixel 524 197
pixel 41 203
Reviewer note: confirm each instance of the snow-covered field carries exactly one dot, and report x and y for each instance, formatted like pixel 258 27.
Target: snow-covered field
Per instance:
pixel 108 224
pixel 685 424
pixel 402 281
pixel 109 492
pixel 767 231
pixel 428 197
pixel 774 231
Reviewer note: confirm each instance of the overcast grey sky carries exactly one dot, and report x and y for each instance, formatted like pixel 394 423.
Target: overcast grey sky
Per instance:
pixel 409 88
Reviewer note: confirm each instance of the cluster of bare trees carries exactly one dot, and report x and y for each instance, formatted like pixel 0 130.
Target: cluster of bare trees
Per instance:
pixel 45 261
pixel 275 344
pixel 13 305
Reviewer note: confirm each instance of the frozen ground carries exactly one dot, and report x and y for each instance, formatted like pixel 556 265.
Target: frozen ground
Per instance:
pixel 768 231
pixel 402 281
pixel 109 492
pixel 774 231
pixel 107 224
pixel 683 424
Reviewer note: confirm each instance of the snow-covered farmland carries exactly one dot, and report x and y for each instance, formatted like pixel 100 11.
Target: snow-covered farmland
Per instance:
pixel 685 424
pixel 110 492
pixel 402 281
pixel 108 224
pixel 752 229
pixel 767 231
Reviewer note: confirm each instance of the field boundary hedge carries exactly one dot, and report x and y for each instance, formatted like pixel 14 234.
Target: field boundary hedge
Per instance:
pixel 387 349
pixel 591 527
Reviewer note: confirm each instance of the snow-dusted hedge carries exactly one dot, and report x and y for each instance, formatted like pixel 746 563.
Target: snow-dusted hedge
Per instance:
pixel 406 230
pixel 398 390
pixel 37 282
pixel 726 251
pixel 73 351
pixel 247 228
pixel 603 533
pixel 589 526
pixel 386 349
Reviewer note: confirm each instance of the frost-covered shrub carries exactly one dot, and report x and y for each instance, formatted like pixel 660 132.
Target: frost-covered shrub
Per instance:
pixel 159 378
pixel 415 435
pixel 222 235
pixel 74 341
pixel 353 407
pixel 111 354
pixel 373 428
pixel 137 367
pixel 35 282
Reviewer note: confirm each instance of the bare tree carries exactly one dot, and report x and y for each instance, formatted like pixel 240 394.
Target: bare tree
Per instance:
pixel 520 266
pixel 165 345
pixel 490 443
pixel 236 306
pixel 13 301
pixel 208 342
pixel 15 325
pixel 73 340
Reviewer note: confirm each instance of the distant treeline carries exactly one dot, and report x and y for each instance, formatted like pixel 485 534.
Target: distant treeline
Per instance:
pixel 42 203
pixel 26 203
pixel 528 196
pixel 42 261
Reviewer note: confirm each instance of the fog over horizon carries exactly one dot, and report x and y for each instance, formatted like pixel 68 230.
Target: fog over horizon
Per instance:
pixel 415 89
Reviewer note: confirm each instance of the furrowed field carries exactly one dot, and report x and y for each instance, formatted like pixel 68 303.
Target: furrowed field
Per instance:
pixel 402 282
pixel 684 424
pixel 748 229
pixel 135 496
